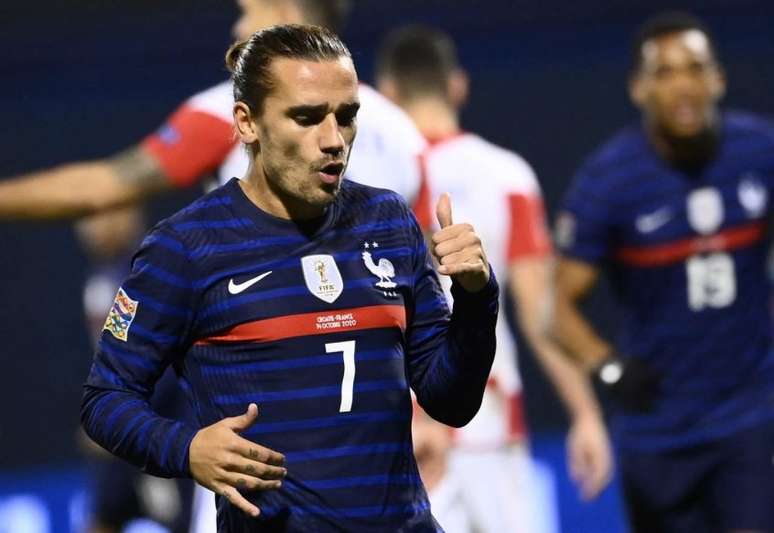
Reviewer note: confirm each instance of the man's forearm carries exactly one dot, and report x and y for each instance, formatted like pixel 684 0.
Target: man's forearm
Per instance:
pixel 78 189
pixel 568 379
pixel 454 385
pixel 64 192
pixel 577 336
pixel 124 424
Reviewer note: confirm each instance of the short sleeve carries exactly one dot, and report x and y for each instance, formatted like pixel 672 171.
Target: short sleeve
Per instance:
pixel 527 233
pixel 191 143
pixel 584 226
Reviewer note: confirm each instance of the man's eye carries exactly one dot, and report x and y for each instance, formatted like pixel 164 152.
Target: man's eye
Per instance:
pixel 346 119
pixel 305 120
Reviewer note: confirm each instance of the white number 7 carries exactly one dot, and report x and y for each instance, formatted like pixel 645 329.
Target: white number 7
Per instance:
pixel 347 348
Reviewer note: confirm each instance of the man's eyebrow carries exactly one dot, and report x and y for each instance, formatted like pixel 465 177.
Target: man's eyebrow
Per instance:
pixel 307 110
pixel 352 107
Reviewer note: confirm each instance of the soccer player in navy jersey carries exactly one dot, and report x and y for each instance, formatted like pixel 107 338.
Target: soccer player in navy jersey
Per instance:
pixel 676 210
pixel 309 296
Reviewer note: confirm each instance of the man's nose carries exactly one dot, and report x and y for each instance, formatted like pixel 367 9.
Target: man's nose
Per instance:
pixel 331 139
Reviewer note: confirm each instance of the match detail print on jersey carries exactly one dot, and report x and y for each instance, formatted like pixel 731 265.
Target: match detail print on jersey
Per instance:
pixel 316 323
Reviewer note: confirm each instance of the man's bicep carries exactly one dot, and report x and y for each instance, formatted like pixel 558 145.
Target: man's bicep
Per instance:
pixel 529 281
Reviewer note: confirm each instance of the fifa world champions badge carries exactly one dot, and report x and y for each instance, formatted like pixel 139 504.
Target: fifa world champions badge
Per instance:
pixel 121 315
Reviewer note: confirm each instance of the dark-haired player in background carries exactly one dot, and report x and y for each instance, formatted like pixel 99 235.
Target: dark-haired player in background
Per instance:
pixel 676 210
pixel 309 295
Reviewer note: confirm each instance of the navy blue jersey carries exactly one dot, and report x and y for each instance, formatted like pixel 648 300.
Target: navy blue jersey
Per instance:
pixel 324 325
pixel 686 252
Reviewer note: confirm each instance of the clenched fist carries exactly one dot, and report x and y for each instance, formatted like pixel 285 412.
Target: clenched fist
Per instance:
pixel 458 250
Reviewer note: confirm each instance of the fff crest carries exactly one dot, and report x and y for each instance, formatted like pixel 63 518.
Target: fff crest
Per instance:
pixel 322 276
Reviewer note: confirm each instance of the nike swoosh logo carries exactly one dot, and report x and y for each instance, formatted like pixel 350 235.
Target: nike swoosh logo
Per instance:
pixel 652 221
pixel 236 288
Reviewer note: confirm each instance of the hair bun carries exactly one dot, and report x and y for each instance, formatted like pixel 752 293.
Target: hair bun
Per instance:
pixel 234 54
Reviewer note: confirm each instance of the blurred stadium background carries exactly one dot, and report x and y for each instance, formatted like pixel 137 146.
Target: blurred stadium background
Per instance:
pixel 84 78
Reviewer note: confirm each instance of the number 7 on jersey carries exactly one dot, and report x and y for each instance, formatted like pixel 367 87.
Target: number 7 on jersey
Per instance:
pixel 347 349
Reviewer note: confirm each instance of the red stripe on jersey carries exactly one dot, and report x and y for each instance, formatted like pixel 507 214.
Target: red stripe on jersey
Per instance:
pixel 422 208
pixel 527 233
pixel 191 144
pixel 674 252
pixel 317 323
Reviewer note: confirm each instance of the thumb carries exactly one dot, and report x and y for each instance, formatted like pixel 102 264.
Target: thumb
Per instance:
pixel 244 421
pixel 443 210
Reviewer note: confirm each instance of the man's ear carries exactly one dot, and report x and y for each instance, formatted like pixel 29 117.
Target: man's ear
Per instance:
pixel 637 90
pixel 458 88
pixel 719 83
pixel 245 125
pixel 388 87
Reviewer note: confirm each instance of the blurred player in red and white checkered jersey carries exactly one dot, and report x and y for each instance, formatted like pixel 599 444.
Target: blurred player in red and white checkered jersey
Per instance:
pixel 198 140
pixel 497 191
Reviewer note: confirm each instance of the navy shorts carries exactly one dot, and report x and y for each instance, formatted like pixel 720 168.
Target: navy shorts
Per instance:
pixel 718 486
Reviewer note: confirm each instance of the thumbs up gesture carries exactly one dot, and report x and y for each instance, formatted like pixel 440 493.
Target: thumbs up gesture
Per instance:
pixel 458 250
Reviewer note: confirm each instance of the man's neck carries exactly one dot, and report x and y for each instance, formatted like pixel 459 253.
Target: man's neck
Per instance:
pixel 434 118
pixel 689 153
pixel 258 189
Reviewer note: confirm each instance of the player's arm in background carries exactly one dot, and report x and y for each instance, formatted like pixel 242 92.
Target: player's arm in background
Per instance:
pixel 77 189
pixel 529 280
pixel 584 231
pixel 191 143
pixel 574 281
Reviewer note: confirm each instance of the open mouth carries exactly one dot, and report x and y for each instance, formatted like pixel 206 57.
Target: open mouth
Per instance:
pixel 331 172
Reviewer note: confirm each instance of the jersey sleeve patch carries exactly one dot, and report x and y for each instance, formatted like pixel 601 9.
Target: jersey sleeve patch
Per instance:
pixel 121 315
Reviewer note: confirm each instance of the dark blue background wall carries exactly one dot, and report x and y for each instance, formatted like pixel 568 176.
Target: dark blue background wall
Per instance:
pixel 86 79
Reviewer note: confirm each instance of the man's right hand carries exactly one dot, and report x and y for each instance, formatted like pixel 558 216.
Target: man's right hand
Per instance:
pixel 589 457
pixel 226 463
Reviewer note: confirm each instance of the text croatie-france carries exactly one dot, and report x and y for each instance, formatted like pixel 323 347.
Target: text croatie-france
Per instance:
pixel 336 321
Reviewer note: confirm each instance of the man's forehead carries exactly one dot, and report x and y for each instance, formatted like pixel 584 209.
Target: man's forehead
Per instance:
pixel 692 41
pixel 315 82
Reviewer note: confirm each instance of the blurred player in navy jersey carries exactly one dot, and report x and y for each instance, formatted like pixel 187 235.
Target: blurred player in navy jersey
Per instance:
pixel 676 210
pixel 497 191
pixel 309 295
